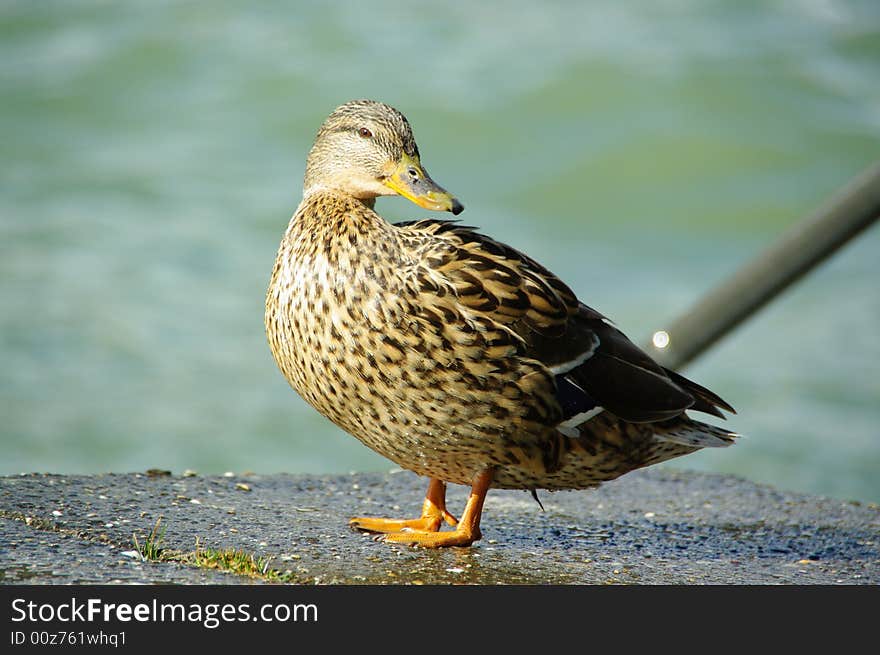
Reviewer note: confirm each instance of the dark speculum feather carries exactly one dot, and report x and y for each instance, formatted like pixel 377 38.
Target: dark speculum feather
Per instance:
pixel 572 398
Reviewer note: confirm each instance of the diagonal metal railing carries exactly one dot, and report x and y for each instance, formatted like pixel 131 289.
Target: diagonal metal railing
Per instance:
pixel 800 249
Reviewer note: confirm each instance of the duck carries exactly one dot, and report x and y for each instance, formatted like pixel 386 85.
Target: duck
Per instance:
pixel 450 353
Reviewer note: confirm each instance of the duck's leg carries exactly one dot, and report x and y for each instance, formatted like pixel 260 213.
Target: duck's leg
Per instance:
pixel 433 514
pixel 466 532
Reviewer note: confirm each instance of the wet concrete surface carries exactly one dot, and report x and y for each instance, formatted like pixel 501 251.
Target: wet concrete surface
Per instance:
pixel 656 526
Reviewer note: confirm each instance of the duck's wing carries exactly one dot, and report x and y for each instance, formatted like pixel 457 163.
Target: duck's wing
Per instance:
pixel 627 382
pixel 594 364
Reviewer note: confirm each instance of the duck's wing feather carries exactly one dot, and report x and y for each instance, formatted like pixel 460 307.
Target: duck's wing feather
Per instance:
pixel 629 383
pixel 595 365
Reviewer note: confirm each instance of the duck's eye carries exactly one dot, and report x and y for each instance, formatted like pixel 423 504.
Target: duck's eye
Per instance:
pixel 364 132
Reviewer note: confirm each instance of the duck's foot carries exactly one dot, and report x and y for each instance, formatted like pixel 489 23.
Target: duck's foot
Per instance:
pixel 457 537
pixel 433 514
pixel 425 531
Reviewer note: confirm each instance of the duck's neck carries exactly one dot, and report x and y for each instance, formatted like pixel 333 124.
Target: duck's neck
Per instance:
pixel 329 212
pixel 321 190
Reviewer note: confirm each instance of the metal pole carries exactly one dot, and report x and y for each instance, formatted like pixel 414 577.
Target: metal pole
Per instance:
pixel 797 251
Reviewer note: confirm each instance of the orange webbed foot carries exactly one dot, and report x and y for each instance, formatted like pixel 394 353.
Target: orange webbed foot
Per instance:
pixel 433 514
pixel 425 531
pixel 457 537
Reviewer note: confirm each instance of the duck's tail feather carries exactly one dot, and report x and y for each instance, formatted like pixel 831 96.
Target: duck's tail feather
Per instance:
pixel 694 434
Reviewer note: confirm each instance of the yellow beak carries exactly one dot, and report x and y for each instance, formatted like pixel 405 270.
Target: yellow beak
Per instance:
pixel 412 182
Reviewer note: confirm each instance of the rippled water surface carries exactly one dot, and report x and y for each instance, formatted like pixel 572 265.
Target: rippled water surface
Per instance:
pixel 153 152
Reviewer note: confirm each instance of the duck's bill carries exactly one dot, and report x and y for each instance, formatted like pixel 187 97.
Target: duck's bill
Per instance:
pixel 412 182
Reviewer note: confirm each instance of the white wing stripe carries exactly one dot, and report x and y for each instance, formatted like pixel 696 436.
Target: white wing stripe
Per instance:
pixel 565 367
pixel 579 419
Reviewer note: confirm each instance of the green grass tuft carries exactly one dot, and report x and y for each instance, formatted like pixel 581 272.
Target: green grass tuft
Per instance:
pixel 233 560
pixel 153 549
pixel 236 560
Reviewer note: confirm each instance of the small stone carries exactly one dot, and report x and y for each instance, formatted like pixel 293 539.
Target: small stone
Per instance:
pixel 157 473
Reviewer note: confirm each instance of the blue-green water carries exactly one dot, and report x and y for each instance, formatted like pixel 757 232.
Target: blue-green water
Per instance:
pixel 152 154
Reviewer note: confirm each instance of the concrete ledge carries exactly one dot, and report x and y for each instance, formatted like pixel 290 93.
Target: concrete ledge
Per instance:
pixel 656 526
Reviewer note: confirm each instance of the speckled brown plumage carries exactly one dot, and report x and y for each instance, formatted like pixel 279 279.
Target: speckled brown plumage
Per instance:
pixel 451 354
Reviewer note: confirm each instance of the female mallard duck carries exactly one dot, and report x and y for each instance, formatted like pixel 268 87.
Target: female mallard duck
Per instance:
pixel 450 353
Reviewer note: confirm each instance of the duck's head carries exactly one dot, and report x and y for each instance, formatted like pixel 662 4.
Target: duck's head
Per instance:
pixel 366 149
